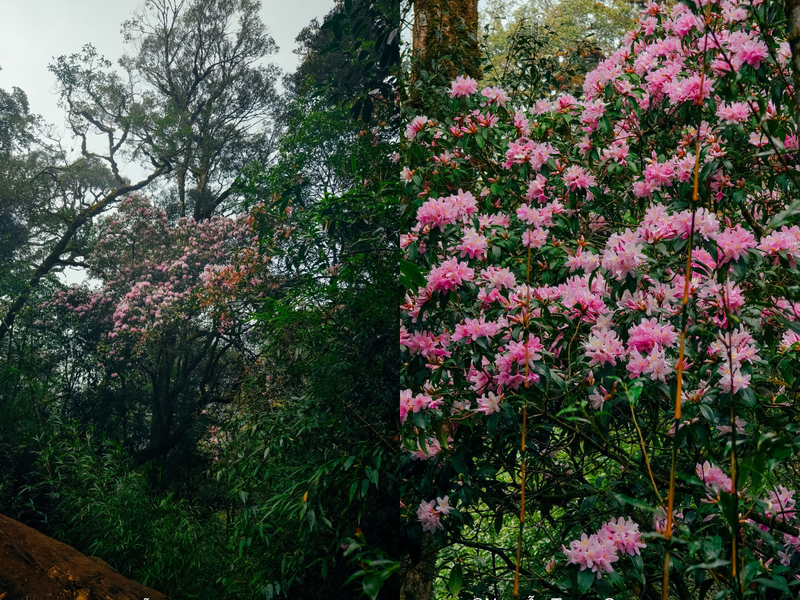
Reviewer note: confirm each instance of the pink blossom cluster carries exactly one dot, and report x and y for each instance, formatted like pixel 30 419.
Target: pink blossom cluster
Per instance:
pixel 567 271
pixel 430 513
pixel 463 86
pixel 781 504
pixel 439 212
pixel 151 272
pixel 597 552
pixel 714 478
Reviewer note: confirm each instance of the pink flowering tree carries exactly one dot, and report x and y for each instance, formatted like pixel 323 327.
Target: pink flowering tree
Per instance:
pixel 601 322
pixel 165 319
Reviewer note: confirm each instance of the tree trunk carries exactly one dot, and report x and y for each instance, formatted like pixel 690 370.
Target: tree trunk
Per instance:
pixel 446 31
pixel 34 566
pixel 420 572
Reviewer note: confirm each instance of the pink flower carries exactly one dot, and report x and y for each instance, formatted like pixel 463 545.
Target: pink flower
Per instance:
pixel 495 95
pixel 593 111
pixel 660 520
pixel 757 139
pixel 789 341
pixel 439 212
pixel 736 382
pixel 648 333
pixel 432 448
pixel 417 124
pixel 429 517
pixel 489 403
pixel 405 404
pixel 714 478
pixel 637 364
pixel 443 505
pixel 592 552
pixel 735 112
pixel 689 89
pixel 449 275
pixel 565 103
pixel 472 244
pixel 685 23
pixel 623 535
pixel 734 243
pixel 499 278
pixel 534 238
pixel 582 260
pixel 753 52
pixel 463 86
pixel 536 189
pixel 475 328
pixel 420 402
pixel 578 178
pixel 726 429
pixel 603 347
pixel 781 504
pixel 623 254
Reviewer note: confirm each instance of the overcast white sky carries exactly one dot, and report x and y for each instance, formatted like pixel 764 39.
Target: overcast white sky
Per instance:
pixel 33 32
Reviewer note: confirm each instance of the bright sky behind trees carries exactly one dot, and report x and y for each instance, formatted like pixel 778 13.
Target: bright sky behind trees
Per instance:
pixel 33 34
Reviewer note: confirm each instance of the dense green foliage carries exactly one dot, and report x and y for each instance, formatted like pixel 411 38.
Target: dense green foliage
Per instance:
pixel 601 323
pixel 215 417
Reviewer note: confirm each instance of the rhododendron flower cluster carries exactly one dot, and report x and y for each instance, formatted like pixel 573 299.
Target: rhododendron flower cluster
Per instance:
pixel 598 551
pixel 560 265
pixel 152 272
pixel 430 513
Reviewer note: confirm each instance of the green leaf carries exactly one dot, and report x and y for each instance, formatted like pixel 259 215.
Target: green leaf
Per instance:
pixel 623 499
pixel 778 583
pixel 793 325
pixel 372 475
pixel 714 564
pixel 353 489
pixel 634 392
pixel 411 275
pixel 703 589
pixel 785 216
pixel 498 522
pixel 585 580
pixel 456 580
pixel 372 585
pixel 729 508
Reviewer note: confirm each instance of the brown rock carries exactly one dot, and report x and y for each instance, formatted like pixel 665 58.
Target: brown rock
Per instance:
pixel 36 567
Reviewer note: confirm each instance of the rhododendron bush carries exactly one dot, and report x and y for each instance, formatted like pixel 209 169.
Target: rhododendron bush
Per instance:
pixel 546 266
pixel 166 317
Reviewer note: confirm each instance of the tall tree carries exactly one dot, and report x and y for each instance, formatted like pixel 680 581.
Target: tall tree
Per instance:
pixel 48 199
pixel 194 102
pixel 446 32
pixel 194 96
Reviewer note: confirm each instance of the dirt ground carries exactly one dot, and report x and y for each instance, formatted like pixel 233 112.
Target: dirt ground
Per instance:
pixel 36 567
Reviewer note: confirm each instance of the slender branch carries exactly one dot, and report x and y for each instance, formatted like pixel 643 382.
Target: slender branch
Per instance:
pixel 52 259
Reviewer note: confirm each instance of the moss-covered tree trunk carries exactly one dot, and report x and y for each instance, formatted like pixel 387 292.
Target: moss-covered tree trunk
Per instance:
pixel 420 572
pixel 446 31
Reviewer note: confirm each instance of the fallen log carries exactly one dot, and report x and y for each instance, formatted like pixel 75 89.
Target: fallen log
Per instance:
pixel 36 567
